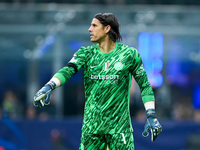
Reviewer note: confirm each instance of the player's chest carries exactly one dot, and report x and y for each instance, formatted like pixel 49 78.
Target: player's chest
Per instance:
pixel 116 64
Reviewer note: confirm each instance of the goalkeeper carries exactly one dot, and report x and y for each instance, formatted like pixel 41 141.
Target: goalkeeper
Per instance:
pixel 108 69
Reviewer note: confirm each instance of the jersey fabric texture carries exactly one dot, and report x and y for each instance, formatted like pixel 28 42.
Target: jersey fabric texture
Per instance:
pixel 119 141
pixel 107 81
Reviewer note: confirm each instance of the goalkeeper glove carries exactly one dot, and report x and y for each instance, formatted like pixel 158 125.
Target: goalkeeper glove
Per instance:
pixel 152 124
pixel 42 97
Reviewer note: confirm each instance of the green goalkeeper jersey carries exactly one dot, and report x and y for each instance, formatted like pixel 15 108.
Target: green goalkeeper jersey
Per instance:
pixel 107 81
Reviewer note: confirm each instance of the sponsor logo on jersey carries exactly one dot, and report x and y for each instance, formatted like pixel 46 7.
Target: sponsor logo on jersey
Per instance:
pixel 108 79
pixel 104 76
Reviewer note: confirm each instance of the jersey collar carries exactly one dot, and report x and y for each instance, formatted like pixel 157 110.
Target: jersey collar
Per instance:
pixel 116 44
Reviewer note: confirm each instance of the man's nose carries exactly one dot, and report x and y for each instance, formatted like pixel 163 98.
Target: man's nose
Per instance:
pixel 89 29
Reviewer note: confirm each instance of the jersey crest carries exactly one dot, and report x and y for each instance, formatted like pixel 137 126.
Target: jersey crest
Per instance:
pixel 118 66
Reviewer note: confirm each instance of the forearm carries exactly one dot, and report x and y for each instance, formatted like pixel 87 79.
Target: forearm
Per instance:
pixel 63 75
pixel 146 91
pixel 145 87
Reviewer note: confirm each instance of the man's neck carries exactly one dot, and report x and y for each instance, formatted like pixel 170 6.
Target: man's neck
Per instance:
pixel 107 46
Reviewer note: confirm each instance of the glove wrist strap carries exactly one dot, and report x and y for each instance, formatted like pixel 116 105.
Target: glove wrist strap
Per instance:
pixel 150 112
pixel 52 85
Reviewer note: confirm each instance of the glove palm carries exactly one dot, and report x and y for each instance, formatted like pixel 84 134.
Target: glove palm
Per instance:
pixel 42 97
pixel 153 125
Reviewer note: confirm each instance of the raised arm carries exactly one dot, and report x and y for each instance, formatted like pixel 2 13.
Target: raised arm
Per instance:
pixel 42 97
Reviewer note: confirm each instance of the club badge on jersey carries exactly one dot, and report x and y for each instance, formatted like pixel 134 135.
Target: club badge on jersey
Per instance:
pixel 118 66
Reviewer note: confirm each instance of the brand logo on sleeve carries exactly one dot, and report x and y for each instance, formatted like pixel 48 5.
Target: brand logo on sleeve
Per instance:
pixel 73 60
pixel 140 70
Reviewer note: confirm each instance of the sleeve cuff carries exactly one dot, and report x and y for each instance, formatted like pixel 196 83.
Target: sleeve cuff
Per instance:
pixel 60 77
pixel 148 98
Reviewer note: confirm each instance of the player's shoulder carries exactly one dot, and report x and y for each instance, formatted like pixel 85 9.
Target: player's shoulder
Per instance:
pixel 87 49
pixel 91 47
pixel 127 48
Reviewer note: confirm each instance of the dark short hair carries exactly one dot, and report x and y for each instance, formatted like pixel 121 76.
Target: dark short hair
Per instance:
pixel 110 19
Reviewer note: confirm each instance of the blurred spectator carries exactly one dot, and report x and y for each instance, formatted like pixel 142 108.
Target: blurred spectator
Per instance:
pixel 30 113
pixel 183 110
pixel 140 116
pixel 57 139
pixel 12 105
pixel 44 116
pixel 197 115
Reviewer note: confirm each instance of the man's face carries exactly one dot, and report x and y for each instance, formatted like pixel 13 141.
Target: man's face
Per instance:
pixel 97 32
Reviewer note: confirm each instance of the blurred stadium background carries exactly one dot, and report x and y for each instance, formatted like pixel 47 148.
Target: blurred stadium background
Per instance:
pixel 38 37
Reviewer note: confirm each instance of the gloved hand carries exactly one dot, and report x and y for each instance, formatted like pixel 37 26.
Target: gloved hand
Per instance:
pixel 152 124
pixel 42 97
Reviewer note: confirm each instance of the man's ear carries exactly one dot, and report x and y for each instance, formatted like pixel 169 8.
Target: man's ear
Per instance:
pixel 107 28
